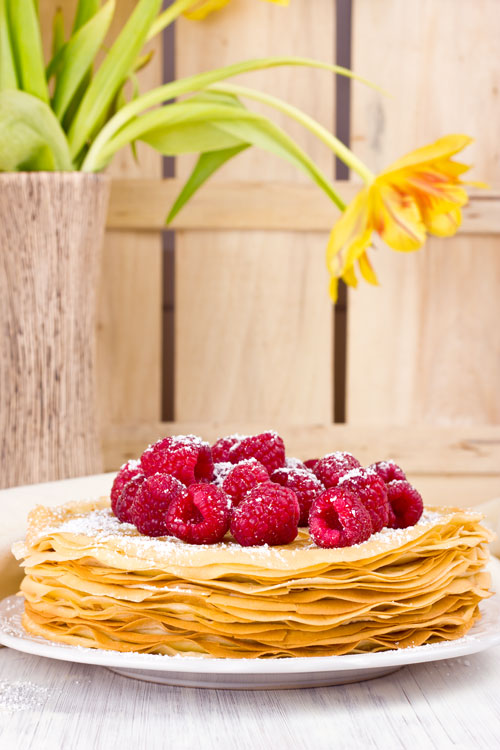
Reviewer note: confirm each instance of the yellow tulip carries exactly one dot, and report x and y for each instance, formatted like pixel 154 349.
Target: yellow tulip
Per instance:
pixel 204 7
pixel 419 193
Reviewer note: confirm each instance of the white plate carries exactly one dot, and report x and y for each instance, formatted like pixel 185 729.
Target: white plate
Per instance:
pixel 255 674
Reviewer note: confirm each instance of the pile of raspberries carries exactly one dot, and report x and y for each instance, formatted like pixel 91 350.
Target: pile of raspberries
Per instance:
pixel 184 488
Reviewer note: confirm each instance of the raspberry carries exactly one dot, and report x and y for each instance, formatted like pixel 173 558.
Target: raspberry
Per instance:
pixel 187 457
pixel 268 448
pixel 242 478
pixel 200 515
pixel 221 470
pixel 269 514
pixel 339 519
pixel 332 467
pixel 368 487
pixel 127 472
pixel 294 463
pixel 220 449
pixel 123 506
pixel 149 510
pixel 388 470
pixel 311 463
pixel 305 485
pixel 406 503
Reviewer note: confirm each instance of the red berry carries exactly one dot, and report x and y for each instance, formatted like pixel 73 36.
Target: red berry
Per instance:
pixel 220 449
pixel 332 467
pixel 339 519
pixel 368 487
pixel 221 470
pixel 200 515
pixel 406 503
pixel 123 506
pixel 127 472
pixel 149 511
pixel 269 514
pixel 388 470
pixel 305 485
pixel 294 463
pixel 311 463
pixel 268 448
pixel 187 457
pixel 242 478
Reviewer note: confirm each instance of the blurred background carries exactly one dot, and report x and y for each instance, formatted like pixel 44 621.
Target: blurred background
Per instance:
pixel 225 322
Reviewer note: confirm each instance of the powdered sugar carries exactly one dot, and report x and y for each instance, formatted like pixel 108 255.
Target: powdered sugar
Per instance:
pixel 221 470
pixel 21 696
pixel 357 473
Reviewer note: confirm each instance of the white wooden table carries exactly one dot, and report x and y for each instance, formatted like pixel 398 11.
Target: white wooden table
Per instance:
pixel 62 706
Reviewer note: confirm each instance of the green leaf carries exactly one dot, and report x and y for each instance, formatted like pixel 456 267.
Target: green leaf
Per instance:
pixel 189 138
pixel 196 83
pixel 111 74
pixel 215 97
pixel 334 143
pixel 204 168
pixel 85 10
pixel 75 102
pixel 58 35
pixel 27 45
pixel 31 137
pixel 78 56
pixel 243 126
pixel 8 77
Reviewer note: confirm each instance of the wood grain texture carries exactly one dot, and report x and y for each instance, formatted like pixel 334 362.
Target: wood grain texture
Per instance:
pixel 130 298
pixel 264 205
pixel 442 705
pixel 449 466
pixel 423 348
pixel 51 232
pixel 242 349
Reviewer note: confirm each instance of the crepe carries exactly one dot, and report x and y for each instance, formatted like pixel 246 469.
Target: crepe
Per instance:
pixel 92 581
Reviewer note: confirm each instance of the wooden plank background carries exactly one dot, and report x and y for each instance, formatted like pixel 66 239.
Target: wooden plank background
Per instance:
pixel 418 347
pixel 248 302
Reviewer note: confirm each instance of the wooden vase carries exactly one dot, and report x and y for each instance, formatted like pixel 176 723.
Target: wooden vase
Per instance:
pixel 51 231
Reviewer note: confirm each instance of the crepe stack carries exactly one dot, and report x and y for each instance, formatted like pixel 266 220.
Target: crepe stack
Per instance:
pixel 91 581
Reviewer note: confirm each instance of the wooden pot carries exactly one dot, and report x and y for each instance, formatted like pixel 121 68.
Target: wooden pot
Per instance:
pixel 51 231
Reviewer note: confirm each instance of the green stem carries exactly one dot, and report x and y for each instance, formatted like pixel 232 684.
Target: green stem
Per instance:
pixel 197 83
pixel 338 148
pixel 168 16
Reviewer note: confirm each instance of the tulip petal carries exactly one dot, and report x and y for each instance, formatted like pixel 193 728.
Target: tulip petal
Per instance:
pixel 334 289
pixel 366 270
pixel 349 277
pixel 396 217
pixel 204 7
pixel 350 235
pixel 444 224
pixel 443 148
pixel 436 186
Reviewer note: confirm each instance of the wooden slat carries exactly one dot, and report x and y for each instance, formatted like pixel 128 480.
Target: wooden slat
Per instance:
pixel 130 310
pixel 450 466
pixel 242 349
pixel 424 348
pixel 267 205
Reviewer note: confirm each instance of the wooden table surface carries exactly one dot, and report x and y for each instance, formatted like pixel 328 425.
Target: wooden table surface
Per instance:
pixel 64 706
pixel 46 703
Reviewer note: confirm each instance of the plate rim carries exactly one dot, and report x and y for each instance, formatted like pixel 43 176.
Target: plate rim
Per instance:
pixel 468 645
